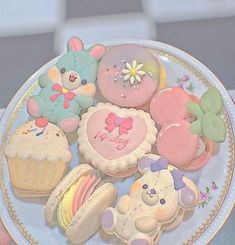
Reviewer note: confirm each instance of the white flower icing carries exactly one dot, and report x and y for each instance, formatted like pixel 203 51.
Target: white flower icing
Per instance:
pixel 30 141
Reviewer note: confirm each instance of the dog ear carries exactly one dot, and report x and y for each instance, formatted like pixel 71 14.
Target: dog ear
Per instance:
pixel 97 51
pixel 144 164
pixel 188 195
pixel 75 44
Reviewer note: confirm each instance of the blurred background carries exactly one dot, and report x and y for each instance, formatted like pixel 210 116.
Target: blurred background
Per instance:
pixel 33 32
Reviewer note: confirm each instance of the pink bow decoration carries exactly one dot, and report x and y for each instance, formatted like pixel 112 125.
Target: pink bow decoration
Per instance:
pixel 68 95
pixel 113 121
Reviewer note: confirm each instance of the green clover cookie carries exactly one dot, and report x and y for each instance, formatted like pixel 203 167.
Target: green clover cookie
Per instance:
pixel 209 123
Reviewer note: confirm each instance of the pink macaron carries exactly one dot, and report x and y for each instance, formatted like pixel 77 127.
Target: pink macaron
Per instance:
pixel 180 147
pixel 169 104
pixel 128 75
pixel 5 238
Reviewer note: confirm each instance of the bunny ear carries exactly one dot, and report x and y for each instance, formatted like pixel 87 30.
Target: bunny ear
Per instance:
pixel 97 51
pixel 188 195
pixel 145 163
pixel 74 44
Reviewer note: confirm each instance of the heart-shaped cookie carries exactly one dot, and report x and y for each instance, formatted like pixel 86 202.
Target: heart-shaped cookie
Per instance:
pixel 113 139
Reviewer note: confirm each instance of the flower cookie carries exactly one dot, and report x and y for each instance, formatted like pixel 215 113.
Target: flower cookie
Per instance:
pixel 78 201
pixel 156 202
pixel 68 87
pixel 37 155
pixel 113 139
pixel 128 75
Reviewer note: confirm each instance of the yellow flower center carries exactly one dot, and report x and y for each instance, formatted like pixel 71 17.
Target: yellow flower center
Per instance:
pixel 133 71
pixel 64 90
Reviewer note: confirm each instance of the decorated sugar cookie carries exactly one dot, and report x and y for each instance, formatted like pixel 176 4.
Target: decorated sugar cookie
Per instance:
pixel 78 200
pixel 68 87
pixel 128 75
pixel 156 202
pixel 37 155
pixel 113 139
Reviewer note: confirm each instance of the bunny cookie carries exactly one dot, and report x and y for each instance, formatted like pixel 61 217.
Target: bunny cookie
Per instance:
pixel 156 202
pixel 68 87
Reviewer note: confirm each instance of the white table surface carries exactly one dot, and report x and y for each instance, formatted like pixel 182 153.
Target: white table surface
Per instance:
pixel 226 236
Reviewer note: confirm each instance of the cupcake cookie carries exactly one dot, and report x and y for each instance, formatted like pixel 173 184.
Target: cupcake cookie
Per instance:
pixel 38 155
pixel 128 75
pixel 77 203
pixel 156 202
pixel 113 138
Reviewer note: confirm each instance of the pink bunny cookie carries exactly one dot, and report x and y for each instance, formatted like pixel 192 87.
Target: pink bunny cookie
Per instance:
pixel 156 202
pixel 113 139
pixel 128 75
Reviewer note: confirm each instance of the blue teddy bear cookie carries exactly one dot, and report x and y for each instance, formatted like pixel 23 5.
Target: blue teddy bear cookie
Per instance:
pixel 68 87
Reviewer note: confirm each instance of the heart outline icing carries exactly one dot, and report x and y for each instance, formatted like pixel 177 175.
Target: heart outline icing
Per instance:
pixel 127 133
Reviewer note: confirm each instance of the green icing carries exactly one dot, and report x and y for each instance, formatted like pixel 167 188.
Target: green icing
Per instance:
pixel 208 123
pixel 212 101
pixel 196 126
pixel 213 127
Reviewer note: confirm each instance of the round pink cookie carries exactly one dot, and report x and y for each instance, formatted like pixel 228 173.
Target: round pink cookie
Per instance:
pixel 199 162
pixel 176 143
pixel 169 104
pixel 128 75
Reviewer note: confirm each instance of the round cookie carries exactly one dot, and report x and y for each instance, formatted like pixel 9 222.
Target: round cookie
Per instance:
pixel 181 148
pixel 128 75
pixel 169 104
pixel 78 200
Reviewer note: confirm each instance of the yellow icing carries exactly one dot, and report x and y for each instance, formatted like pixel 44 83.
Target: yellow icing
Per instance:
pixel 64 212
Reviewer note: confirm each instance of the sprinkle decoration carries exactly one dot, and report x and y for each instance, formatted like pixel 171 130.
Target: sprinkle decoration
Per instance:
pixel 40 133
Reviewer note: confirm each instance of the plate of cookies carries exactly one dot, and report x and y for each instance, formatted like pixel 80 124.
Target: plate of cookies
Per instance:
pixel 124 142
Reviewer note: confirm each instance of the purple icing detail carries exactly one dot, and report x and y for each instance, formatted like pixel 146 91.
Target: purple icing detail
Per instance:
pixel 139 242
pixel 178 179
pixel 119 120
pixel 107 219
pixel 160 164
pixel 145 162
pixel 188 197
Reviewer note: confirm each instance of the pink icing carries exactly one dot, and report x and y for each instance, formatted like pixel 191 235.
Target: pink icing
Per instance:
pixel 104 142
pixel 169 104
pixel 113 63
pixel 78 194
pixel 123 124
pixel 176 143
pixel 91 189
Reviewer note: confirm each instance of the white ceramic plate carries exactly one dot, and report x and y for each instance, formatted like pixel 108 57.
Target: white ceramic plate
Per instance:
pixel 24 218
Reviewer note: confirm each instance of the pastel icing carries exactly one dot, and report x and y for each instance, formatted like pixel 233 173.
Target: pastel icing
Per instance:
pixel 39 143
pixel 158 197
pixel 128 75
pixel 169 104
pixel 176 143
pixel 68 87
pixel 209 123
pixel 74 198
pixel 113 138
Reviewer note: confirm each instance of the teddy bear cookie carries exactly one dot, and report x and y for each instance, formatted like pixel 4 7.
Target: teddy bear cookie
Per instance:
pixel 156 202
pixel 128 75
pixel 68 87
pixel 189 126
pixel 37 155
pixel 113 138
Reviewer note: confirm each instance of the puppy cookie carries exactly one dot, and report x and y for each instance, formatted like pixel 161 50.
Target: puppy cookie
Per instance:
pixel 37 155
pixel 156 202
pixel 78 200
pixel 113 139
pixel 128 75
pixel 68 87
